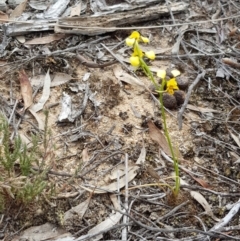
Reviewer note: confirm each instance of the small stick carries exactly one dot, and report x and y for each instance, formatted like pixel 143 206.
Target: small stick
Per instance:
pixel 201 189
pixel 91 64
pixel 170 213
pixel 231 63
pixel 13 111
pixel 125 218
pixel 195 82
pixel 180 166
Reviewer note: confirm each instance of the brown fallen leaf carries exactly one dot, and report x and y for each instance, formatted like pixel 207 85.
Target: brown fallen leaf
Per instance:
pixel 45 40
pixel 3 17
pixel 45 95
pixel 233 32
pixel 231 62
pixel 152 173
pixel 158 136
pixel 17 12
pixel 202 182
pixel 26 89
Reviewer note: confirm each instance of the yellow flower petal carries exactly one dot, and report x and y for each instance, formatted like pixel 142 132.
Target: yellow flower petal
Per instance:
pixel 175 72
pixel 135 35
pixel 150 54
pixel 144 39
pixel 130 42
pixel 171 86
pixel 172 82
pixel 161 73
pixel 134 61
pixel 170 91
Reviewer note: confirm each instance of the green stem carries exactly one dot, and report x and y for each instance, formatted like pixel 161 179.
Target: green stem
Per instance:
pixel 150 75
pixel 175 161
pixel 144 65
pixel 148 72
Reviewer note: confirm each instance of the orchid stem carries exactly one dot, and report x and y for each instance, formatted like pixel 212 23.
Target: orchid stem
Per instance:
pixel 160 89
pixel 175 161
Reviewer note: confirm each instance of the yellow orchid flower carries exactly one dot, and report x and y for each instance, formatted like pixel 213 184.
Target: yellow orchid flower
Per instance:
pixel 171 86
pixel 175 72
pixel 144 39
pixel 130 41
pixel 135 35
pixel 134 61
pixel 161 73
pixel 150 54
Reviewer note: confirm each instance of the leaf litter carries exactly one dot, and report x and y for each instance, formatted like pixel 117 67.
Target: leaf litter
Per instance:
pixel 115 121
pixel 45 94
pixel 26 89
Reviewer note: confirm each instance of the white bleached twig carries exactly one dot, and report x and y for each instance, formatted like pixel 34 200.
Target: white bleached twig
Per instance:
pixel 125 217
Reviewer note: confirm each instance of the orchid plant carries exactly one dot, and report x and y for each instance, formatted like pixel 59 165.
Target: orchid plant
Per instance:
pixel 167 86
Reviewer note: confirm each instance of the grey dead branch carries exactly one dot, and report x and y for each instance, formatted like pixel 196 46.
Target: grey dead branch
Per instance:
pixel 93 178
pixel 80 25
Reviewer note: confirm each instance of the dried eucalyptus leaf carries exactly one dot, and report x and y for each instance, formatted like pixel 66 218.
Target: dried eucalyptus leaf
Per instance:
pixel 121 75
pixel 26 89
pixel 45 95
pixel 202 201
pixel 57 79
pixel 78 211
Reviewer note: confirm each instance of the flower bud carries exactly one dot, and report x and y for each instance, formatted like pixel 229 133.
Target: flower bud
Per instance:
pixel 150 54
pixel 134 61
pixel 161 73
pixel 130 42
